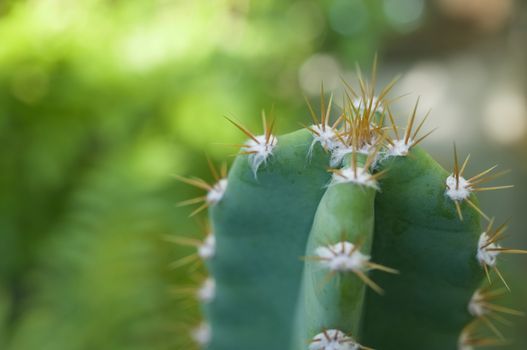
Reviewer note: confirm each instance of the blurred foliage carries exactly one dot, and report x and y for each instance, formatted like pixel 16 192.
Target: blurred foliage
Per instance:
pixel 100 102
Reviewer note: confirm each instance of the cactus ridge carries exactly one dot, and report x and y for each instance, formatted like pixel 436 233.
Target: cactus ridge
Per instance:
pixel 340 235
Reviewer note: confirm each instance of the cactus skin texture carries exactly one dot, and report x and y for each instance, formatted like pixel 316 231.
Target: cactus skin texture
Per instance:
pixel 385 250
pixel 418 231
pixel 261 227
pixel 333 300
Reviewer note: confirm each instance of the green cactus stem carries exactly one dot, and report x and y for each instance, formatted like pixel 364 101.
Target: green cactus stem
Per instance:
pixel 347 235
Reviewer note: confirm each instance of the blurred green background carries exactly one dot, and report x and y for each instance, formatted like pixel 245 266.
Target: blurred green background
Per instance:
pixel 101 101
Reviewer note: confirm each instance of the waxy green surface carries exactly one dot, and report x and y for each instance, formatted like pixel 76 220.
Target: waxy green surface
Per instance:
pixel 261 227
pixel 335 301
pixel 418 232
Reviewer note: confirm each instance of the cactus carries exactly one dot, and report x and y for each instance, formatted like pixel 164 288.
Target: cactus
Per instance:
pixel 385 250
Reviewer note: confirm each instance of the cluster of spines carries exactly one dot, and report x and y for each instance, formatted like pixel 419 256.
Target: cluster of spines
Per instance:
pixel 359 133
pixel 359 129
pixel 258 148
pixel 460 190
pixel 214 191
pixel 345 257
pixel 334 339
pixel 205 249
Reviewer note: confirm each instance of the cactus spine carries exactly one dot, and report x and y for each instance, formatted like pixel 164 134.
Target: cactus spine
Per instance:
pixel 384 251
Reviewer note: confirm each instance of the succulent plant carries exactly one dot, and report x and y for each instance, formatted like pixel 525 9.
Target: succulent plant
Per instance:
pixel 385 250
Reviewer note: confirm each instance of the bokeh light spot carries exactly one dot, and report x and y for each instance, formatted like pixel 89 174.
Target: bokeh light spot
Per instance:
pixel 317 69
pixel 348 17
pixel 505 116
pixel 404 15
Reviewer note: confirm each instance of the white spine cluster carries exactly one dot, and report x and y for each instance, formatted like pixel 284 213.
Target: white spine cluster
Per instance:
pixel 487 255
pixel 207 292
pixel 342 257
pixel 357 175
pixel 217 191
pixel 476 305
pixel 325 135
pixel 328 139
pixel 208 248
pixel 202 334
pixel 400 148
pixel 457 191
pixel 260 150
pixel 333 339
